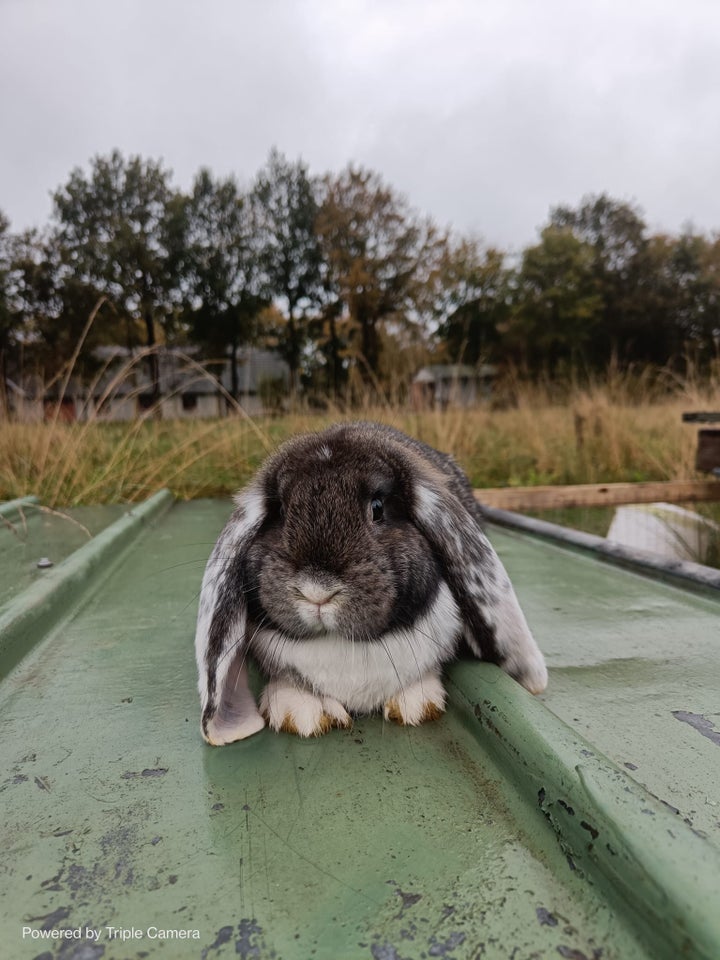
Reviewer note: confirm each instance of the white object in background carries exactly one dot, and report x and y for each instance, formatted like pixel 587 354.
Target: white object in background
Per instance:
pixel 663 529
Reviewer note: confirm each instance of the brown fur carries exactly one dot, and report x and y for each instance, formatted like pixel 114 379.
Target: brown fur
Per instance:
pixel 431 711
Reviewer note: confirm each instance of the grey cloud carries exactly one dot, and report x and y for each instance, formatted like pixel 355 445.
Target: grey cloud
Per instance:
pixel 484 114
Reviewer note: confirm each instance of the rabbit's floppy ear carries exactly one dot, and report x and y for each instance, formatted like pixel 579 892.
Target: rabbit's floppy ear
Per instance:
pixel 495 626
pixel 229 711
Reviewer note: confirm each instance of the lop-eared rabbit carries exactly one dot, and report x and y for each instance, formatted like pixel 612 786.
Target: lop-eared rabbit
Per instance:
pixel 353 568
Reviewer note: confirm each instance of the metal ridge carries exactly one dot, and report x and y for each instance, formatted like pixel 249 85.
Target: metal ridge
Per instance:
pixel 26 617
pixel 659 872
pixel 11 507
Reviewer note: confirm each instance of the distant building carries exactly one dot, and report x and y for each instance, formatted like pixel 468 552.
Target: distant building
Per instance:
pixel 25 399
pixel 188 388
pixel 451 385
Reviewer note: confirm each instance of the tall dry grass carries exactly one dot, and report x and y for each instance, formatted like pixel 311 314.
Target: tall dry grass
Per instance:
pixel 620 427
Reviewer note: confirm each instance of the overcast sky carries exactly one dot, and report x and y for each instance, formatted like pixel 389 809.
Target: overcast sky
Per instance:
pixel 484 113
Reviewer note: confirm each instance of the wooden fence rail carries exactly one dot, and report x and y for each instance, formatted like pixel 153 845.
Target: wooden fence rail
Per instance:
pixel 599 494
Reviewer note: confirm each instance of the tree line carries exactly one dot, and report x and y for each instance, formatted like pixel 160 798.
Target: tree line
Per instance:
pixel 343 277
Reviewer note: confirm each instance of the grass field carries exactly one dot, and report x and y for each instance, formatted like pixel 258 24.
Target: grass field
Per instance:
pixel 620 429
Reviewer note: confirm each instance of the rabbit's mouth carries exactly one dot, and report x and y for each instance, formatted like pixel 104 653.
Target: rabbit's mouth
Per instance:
pixel 318 618
pixel 318 603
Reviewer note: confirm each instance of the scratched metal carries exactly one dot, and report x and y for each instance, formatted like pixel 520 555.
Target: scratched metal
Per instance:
pixel 379 842
pixel 628 657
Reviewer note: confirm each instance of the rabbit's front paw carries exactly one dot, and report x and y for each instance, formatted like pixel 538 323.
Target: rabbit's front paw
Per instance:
pixel 294 710
pixel 421 701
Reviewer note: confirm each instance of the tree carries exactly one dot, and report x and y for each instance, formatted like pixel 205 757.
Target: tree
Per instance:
pixel 378 256
pixel 615 231
pixel 472 302
pixel 221 266
pixel 331 333
pixel 710 274
pixel 54 306
pixel 122 236
pixel 558 307
pixel 8 316
pixel 694 276
pixel 679 299
pixel 285 210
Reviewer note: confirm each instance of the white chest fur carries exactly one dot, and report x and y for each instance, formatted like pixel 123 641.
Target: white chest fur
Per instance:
pixel 363 675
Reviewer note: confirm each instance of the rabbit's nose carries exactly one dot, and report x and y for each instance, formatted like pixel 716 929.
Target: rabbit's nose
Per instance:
pixel 317 593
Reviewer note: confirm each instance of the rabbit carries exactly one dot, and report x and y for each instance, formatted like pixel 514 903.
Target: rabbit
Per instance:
pixel 353 567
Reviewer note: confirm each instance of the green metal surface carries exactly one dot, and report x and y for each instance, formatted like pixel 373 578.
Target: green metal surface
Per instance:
pixel 29 533
pixel 499 831
pixel 635 670
pixel 28 614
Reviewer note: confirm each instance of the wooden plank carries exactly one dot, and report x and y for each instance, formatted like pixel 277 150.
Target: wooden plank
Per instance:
pixel 703 417
pixel 599 494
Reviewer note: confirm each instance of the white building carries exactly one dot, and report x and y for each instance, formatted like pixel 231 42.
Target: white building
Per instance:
pixel 451 385
pixel 188 387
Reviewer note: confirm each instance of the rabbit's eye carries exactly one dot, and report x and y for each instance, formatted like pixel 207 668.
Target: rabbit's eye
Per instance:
pixel 376 505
